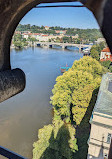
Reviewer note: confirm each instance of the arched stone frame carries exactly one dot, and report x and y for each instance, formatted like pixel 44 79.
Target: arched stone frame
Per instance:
pixel 12 11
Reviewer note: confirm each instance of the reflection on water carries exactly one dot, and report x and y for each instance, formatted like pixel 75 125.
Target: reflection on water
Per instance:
pixel 22 115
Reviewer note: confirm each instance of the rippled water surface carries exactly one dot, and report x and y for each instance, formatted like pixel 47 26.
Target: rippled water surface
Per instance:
pixel 22 115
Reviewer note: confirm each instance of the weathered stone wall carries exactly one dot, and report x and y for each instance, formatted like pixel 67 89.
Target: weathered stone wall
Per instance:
pixel 102 10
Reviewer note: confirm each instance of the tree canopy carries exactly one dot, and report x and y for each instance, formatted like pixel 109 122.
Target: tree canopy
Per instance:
pixel 84 34
pixel 55 141
pixel 19 41
pixel 96 50
pixel 72 95
pixel 75 87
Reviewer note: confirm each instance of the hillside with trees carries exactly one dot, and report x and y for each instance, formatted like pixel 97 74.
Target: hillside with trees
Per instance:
pixel 73 100
pixel 84 34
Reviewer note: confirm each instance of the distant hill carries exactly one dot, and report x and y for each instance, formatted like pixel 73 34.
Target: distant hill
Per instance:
pixel 84 34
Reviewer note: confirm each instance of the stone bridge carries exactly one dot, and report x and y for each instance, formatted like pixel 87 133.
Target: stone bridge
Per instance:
pixel 63 45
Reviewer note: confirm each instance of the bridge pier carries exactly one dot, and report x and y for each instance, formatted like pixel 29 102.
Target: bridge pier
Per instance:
pixel 50 46
pixel 38 45
pixel 63 46
pixel 82 48
pixel 34 44
pixel 79 49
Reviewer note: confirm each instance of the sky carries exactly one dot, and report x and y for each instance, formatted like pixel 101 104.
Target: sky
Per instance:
pixel 64 17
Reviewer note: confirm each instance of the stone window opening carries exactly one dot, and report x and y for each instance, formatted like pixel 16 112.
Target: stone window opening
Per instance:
pixel 105 156
pixel 109 138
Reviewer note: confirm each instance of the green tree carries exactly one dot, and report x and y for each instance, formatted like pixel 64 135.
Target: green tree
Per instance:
pixel 95 54
pixel 96 50
pixel 90 65
pixel 57 39
pixel 17 37
pixel 106 64
pixel 101 46
pixel 85 34
pixel 84 73
pixel 18 44
pixel 19 41
pixel 71 98
pixel 55 141
pixel 110 68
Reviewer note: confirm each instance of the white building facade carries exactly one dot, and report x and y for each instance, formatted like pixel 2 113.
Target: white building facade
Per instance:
pixel 101 121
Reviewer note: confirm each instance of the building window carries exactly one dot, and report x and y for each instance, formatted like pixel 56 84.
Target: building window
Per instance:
pixel 109 138
pixel 105 156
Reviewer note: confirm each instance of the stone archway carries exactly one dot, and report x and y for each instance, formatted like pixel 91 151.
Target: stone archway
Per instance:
pixel 12 11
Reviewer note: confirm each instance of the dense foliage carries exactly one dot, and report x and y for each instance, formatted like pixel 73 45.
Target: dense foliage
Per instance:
pixel 55 141
pixel 84 34
pixel 75 88
pixel 71 100
pixel 95 53
pixel 96 50
pixel 106 64
pixel 34 29
pixel 19 41
pixel 91 34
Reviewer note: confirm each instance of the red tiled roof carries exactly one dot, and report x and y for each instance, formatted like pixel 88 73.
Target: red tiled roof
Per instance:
pixel 25 33
pixel 107 59
pixel 36 33
pixel 44 35
pixel 106 49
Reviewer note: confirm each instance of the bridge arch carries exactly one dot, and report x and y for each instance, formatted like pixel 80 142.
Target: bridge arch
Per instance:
pixel 12 11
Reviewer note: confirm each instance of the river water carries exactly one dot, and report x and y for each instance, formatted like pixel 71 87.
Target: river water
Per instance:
pixel 22 115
